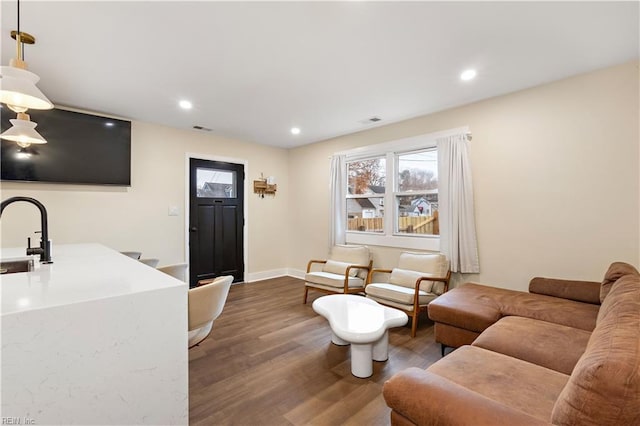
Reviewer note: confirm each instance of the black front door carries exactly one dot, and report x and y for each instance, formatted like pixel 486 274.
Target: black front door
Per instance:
pixel 216 220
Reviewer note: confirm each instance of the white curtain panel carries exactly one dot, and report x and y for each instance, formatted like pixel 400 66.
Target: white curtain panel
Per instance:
pixel 455 191
pixel 338 204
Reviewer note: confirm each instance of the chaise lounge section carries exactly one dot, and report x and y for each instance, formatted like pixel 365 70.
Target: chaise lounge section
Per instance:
pixel 534 360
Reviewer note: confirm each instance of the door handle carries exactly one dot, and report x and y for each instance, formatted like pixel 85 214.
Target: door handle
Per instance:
pixel 193 229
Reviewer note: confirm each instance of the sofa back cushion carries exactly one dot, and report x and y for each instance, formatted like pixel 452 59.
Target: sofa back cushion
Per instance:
pixel 605 384
pixel 352 255
pixel 615 271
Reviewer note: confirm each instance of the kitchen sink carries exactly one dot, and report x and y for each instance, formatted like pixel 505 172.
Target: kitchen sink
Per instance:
pixel 12 266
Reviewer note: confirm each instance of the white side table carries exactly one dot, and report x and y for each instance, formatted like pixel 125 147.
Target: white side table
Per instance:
pixel 364 324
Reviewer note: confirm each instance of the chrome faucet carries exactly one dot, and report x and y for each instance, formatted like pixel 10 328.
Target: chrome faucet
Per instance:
pixel 45 245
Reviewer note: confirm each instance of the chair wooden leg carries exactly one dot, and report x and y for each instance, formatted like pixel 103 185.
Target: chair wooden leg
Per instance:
pixel 414 324
pixel 306 291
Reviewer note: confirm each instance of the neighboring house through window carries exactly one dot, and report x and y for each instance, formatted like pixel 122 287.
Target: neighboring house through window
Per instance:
pixel 392 193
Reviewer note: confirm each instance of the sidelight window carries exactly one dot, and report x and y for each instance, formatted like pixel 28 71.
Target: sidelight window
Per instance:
pixel 213 183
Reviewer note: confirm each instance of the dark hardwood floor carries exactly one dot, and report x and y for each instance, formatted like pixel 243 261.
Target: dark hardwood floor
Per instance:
pixel 269 361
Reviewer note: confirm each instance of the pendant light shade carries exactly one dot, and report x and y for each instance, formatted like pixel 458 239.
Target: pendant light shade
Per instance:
pixel 18 90
pixel 18 85
pixel 23 131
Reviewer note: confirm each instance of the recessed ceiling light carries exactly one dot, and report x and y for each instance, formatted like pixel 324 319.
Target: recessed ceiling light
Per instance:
pixel 295 131
pixel 184 104
pixel 468 75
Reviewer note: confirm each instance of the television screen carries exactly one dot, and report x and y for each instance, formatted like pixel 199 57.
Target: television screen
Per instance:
pixel 80 148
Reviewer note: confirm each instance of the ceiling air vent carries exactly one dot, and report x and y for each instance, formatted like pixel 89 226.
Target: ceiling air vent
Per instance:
pixel 371 120
pixel 206 129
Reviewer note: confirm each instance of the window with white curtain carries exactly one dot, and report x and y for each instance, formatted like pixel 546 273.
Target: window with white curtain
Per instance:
pixel 391 194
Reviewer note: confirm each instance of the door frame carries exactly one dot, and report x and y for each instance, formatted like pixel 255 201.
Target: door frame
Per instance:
pixel 245 209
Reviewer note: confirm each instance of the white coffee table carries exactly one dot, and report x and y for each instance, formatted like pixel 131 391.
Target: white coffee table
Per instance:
pixel 364 324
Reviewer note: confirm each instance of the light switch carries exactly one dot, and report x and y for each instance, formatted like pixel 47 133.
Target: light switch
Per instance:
pixel 174 211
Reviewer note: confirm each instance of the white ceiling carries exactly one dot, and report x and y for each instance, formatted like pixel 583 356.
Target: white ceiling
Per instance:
pixel 254 70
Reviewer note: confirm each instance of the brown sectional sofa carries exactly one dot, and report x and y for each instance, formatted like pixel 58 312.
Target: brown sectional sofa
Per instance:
pixel 554 355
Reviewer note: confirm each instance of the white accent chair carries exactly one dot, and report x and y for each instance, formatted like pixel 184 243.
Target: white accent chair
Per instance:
pixel 132 254
pixel 150 262
pixel 344 272
pixel 205 305
pixel 418 279
pixel 178 271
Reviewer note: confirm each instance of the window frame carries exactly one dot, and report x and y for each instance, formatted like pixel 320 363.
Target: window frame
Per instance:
pixel 390 237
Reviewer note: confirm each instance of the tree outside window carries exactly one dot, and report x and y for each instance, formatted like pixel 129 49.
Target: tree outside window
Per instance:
pixel 365 195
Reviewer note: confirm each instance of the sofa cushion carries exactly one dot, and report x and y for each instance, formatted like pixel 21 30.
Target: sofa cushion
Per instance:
pixel 604 388
pixel 396 293
pixel 335 267
pixel 471 307
pixel 580 291
pixel 615 271
pixel 331 280
pixel 553 346
pixel 551 309
pixel 518 384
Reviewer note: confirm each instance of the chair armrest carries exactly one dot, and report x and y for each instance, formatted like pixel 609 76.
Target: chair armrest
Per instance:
pixel 350 267
pixel 425 398
pixel 580 291
pixel 312 261
pixel 432 277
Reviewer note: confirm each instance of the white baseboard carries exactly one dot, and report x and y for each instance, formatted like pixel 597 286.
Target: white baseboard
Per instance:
pixel 296 273
pixel 274 273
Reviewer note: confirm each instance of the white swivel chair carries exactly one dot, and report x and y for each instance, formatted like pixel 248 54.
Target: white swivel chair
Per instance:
pixel 150 262
pixel 177 271
pixel 205 305
pixel 132 254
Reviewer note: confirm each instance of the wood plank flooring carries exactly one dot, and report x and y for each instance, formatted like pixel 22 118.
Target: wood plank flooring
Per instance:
pixel 270 361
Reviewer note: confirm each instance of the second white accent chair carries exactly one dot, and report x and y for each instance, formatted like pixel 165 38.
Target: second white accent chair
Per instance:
pixel 205 305
pixel 344 272
pixel 178 271
pixel 417 280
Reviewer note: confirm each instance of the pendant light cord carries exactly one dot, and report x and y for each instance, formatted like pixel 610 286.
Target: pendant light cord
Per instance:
pixel 19 36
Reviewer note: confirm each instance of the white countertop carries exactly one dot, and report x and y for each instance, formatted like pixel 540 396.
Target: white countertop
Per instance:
pixel 79 273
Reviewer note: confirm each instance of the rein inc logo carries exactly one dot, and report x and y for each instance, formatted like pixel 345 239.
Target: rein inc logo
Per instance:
pixel 18 421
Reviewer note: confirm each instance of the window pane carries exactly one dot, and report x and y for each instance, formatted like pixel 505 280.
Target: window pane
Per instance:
pixel 213 183
pixel 418 171
pixel 418 214
pixel 367 176
pixel 365 214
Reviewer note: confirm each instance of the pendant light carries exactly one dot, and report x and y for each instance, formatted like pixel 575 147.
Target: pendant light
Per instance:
pixel 19 92
pixel 23 131
pixel 18 85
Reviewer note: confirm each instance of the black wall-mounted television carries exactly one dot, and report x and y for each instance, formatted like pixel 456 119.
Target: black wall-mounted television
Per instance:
pixel 80 149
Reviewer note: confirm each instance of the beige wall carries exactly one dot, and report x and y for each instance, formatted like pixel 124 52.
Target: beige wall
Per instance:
pixel 137 219
pixel 555 173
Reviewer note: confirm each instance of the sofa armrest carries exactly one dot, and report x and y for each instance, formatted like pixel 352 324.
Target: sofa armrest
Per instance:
pixel 425 398
pixel 580 291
